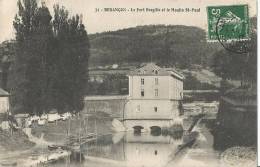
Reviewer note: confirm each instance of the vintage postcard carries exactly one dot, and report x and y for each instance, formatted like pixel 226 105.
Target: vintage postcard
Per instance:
pixel 128 83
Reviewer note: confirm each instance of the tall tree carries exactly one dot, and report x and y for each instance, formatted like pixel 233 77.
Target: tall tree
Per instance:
pixel 51 60
pixel 72 60
pixel 7 49
pixel 24 25
pixel 43 38
pixel 33 35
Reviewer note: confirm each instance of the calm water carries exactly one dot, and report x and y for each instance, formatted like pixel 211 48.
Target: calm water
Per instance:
pixel 146 150
pixel 131 150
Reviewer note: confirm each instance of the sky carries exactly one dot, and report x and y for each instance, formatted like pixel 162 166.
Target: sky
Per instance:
pixel 109 21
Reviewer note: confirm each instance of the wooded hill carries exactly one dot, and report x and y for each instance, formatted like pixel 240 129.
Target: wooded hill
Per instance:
pixel 176 45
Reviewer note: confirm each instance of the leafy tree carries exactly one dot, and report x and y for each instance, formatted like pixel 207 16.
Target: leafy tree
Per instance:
pixel 51 60
pixel 71 63
pixel 43 49
pixel 25 57
pixel 192 83
pixel 238 66
pixel 7 49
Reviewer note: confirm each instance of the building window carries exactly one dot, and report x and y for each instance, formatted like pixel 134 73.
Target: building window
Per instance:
pixel 142 92
pixel 156 92
pixel 142 81
pixel 138 109
pixel 155 109
pixel 156 81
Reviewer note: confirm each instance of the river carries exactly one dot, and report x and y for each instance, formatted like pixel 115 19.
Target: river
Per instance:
pixel 128 150
pixel 146 150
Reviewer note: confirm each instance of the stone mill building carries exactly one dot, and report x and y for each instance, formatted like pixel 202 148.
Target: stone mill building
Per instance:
pixel 154 99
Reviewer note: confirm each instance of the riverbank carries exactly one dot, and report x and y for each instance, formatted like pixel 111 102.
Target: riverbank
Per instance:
pixel 59 131
pixel 13 146
pixel 18 141
pixel 200 150
pixel 239 157
pixel 193 148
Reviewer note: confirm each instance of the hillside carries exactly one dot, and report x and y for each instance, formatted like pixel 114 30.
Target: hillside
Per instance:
pixel 178 45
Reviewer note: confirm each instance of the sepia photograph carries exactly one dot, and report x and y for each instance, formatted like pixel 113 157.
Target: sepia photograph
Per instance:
pixel 140 83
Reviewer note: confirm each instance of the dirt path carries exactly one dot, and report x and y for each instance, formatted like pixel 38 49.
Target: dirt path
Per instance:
pixel 40 142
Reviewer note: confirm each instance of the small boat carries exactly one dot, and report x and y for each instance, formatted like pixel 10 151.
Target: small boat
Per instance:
pixel 54 147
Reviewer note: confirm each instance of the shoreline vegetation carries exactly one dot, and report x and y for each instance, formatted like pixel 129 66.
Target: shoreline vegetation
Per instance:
pixel 17 141
pixel 57 133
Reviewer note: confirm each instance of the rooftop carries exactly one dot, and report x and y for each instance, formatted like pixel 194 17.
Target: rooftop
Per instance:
pixel 3 93
pixel 151 69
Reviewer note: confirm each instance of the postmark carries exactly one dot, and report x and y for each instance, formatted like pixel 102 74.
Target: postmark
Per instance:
pixel 229 25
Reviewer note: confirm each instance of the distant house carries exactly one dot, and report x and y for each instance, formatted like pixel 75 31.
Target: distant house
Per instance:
pixel 4 101
pixel 4 104
pixel 154 98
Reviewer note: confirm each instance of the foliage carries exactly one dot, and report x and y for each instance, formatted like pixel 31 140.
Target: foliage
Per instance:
pixel 170 45
pixel 50 63
pixel 71 61
pixel 192 83
pixel 7 49
pixel 112 84
pixel 238 66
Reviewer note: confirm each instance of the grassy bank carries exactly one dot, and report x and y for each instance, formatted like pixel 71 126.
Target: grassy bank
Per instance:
pixel 15 142
pixel 58 131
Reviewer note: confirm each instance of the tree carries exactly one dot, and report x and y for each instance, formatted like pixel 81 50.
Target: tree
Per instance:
pixel 43 38
pixel 51 60
pixel 166 59
pixel 7 49
pixel 25 26
pixel 29 75
pixel 72 60
pixel 238 66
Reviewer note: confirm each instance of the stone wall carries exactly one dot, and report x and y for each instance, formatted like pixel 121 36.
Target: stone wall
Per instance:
pixel 111 105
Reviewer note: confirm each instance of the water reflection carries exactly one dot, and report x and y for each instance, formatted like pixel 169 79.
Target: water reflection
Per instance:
pixel 130 149
pixel 147 150
pixel 155 149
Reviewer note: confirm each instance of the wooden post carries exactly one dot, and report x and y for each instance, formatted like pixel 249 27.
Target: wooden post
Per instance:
pixel 96 130
pixel 87 131
pixel 80 141
pixel 69 127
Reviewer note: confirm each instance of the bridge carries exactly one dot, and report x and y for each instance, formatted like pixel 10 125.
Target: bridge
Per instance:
pixel 147 124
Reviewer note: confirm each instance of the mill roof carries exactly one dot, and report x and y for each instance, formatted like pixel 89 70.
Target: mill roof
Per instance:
pixel 151 69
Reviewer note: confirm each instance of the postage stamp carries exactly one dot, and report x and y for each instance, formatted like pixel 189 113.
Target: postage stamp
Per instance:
pixel 228 23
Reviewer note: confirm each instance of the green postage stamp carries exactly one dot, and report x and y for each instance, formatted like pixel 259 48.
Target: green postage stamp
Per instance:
pixel 228 23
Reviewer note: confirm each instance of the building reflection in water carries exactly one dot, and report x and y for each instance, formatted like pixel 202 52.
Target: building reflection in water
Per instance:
pixel 135 150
